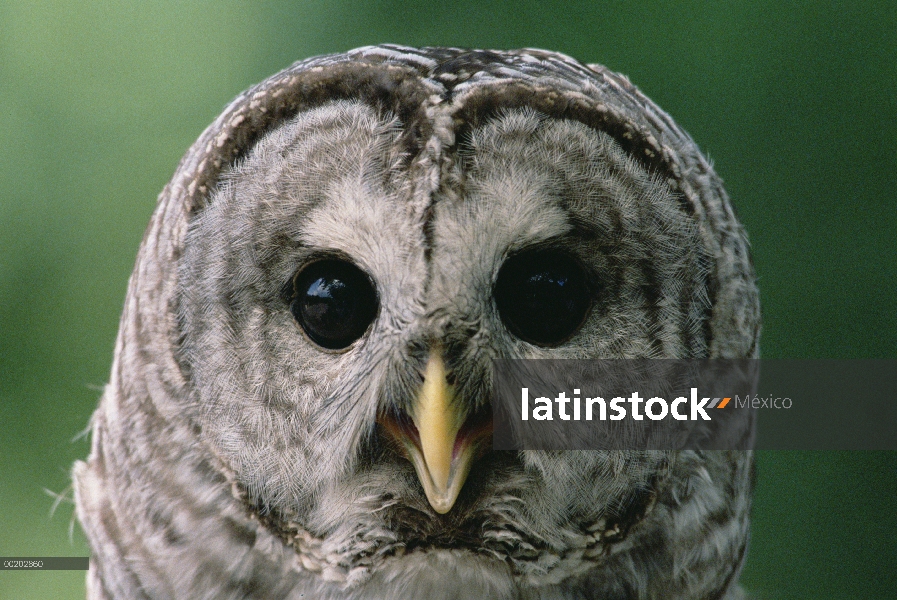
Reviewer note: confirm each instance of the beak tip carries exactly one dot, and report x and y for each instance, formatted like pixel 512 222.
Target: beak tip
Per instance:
pixel 441 509
pixel 442 504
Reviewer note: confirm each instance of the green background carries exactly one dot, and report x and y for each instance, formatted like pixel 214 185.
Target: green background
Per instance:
pixel 796 103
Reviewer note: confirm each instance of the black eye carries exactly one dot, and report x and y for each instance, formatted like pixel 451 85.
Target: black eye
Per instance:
pixel 334 302
pixel 542 297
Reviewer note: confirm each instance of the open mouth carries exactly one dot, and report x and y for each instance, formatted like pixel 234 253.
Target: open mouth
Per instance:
pixel 442 456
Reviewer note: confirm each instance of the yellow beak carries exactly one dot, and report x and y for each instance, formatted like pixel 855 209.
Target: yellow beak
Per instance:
pixel 438 423
pixel 441 457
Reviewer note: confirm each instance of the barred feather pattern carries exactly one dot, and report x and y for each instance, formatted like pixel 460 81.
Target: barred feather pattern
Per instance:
pixel 232 459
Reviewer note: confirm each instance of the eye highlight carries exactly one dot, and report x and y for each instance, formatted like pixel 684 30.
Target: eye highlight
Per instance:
pixel 334 302
pixel 543 297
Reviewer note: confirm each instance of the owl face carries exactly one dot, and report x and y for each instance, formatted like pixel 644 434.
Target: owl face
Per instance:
pixel 301 399
pixel 341 338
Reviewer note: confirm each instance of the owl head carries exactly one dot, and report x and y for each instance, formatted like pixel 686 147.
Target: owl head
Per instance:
pixel 301 397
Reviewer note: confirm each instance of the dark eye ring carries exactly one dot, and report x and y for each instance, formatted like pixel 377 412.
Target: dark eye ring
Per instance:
pixel 543 296
pixel 334 302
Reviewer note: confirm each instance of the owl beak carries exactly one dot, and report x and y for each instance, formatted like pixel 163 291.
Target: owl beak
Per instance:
pixel 437 439
pixel 441 464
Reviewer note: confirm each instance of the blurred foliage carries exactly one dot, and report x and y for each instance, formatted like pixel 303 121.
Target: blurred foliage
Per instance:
pixel 794 101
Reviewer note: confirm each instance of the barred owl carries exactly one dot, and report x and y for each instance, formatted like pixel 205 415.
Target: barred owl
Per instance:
pixel 298 405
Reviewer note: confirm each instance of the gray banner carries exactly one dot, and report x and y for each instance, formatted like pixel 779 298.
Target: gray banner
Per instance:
pixel 44 563
pixel 769 404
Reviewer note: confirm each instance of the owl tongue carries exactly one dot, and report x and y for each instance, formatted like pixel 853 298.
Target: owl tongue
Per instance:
pixel 440 444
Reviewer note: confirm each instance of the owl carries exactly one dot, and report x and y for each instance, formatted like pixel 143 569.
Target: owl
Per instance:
pixel 299 404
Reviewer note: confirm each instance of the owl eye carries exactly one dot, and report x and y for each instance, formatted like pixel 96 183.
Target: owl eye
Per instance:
pixel 542 297
pixel 334 302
